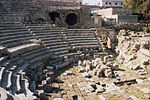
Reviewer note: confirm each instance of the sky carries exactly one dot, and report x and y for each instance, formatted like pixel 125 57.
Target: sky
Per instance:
pixel 91 2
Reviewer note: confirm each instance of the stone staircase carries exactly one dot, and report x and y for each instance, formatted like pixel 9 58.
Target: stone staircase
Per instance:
pixel 82 38
pixel 18 54
pixel 53 39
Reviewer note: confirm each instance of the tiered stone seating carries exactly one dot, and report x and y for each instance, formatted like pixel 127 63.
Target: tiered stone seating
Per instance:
pixel 82 38
pixel 51 37
pixel 20 54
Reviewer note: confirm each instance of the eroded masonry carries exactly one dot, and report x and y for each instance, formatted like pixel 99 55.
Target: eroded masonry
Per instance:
pixel 58 50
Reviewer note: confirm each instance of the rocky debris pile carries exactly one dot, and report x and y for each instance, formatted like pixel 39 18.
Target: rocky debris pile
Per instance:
pixel 101 67
pixel 40 80
pixel 133 52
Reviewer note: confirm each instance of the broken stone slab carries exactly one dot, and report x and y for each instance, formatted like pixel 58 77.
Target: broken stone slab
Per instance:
pixel 35 41
pixel 68 73
pixel 86 75
pixel 81 70
pixel 108 73
pixel 112 88
pixel 79 63
pixel 122 82
pixel 139 81
pixel 99 89
pixel 84 62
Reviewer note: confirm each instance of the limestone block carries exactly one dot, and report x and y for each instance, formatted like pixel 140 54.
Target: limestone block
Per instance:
pixel 94 72
pixel 86 75
pixel 35 41
pixel 98 66
pixel 79 63
pixel 81 70
pixel 108 73
pixel 84 62
pixel 105 59
pixel 68 73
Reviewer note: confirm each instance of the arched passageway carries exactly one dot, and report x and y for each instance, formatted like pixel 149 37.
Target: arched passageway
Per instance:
pixel 53 16
pixel 71 19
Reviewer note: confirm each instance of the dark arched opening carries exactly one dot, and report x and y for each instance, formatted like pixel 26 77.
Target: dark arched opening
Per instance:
pixel 71 19
pixel 53 16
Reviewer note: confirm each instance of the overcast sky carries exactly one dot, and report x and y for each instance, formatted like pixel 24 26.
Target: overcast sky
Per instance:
pixel 91 2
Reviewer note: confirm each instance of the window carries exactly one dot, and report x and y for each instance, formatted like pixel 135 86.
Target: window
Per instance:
pixel 121 3
pixel 115 3
pixel 110 3
pixel 106 3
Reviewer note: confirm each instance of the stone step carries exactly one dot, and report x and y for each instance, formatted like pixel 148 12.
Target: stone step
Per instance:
pixel 60 49
pixel 51 41
pixel 2 59
pixel 1 73
pixel 61 52
pixel 29 57
pixel 22 49
pixel 3 38
pixel 50 38
pixel 79 36
pixel 32 52
pixel 13 30
pixel 79 30
pixel 84 41
pixel 15 81
pixel 80 39
pixel 45 31
pixel 7 63
pixel 56 43
pixel 49 35
pixel 16 42
pixel 40 58
pixel 86 46
pixel 15 33
pixel 10 27
pixel 6 79
pixel 36 25
pixel 35 65
pixel 56 46
pixel 52 33
pixel 10 24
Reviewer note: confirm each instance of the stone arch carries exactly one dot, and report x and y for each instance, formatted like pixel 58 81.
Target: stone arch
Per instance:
pixel 71 19
pixel 54 16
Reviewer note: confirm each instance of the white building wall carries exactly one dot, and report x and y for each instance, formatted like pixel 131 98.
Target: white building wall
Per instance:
pixel 111 3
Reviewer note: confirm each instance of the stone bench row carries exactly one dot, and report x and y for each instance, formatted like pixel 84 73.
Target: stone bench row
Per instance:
pixel 10 77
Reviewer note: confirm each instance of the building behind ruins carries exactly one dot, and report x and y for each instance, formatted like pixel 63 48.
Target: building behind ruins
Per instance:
pixel 117 16
pixel 111 3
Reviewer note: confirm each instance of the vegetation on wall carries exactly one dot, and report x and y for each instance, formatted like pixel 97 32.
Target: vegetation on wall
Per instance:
pixel 138 6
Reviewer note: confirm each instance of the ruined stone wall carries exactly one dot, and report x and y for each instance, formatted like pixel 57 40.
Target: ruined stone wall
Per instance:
pixel 134 52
